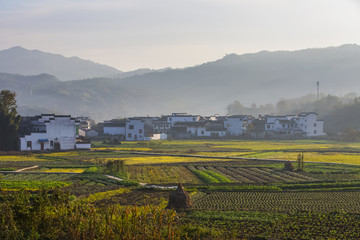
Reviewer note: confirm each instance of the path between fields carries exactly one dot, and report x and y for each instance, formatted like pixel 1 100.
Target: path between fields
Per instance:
pixel 24 169
pixel 143 184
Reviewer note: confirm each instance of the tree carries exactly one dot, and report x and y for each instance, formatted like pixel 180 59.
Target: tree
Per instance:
pixel 9 120
pixel 300 160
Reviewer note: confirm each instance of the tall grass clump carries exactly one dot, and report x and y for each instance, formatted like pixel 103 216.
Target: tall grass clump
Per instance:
pixel 54 216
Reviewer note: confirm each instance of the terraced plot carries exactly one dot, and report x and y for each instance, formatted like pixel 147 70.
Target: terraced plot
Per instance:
pixel 255 174
pixel 161 174
pixel 281 201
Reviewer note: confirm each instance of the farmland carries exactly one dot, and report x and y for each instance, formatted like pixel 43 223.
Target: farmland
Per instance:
pixel 239 188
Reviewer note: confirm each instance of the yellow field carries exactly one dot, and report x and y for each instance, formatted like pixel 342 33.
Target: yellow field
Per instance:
pixel 330 157
pixel 122 149
pixel 285 150
pixel 224 154
pixel 18 158
pixel 161 159
pixel 278 145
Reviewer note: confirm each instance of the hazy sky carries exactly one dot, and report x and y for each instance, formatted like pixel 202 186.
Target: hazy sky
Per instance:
pixel 174 33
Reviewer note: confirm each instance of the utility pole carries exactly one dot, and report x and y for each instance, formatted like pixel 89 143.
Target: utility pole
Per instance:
pixel 318 87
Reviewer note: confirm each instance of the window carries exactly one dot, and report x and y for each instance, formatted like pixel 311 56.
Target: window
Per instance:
pixel 314 131
pixel 268 126
pixel 140 130
pixel 170 119
pixel 29 144
pixel 51 143
pixel 202 132
pixel 129 135
pixel 131 126
pixel 194 119
pixel 314 124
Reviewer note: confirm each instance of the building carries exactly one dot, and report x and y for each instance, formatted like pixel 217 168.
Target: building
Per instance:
pixel 309 125
pixel 182 117
pixel 161 126
pixel 115 127
pixel 236 125
pixel 48 132
pixel 135 129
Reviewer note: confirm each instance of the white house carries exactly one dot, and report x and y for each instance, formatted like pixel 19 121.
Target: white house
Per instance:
pixel 305 124
pixel 309 124
pixel 161 127
pixel 280 125
pixel 135 129
pixel 49 132
pixel 182 117
pixel 115 127
pixel 235 125
pixel 156 136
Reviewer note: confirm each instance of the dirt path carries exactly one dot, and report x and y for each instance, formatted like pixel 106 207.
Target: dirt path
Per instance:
pixel 144 184
pixel 28 168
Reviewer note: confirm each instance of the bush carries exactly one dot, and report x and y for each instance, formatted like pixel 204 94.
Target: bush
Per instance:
pixel 288 166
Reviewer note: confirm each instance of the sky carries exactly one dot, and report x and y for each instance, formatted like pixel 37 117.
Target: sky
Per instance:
pixel 155 34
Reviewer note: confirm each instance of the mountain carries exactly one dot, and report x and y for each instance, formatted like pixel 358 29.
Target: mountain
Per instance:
pixel 18 60
pixel 263 77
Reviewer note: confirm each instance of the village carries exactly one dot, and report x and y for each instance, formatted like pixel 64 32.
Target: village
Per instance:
pixel 63 132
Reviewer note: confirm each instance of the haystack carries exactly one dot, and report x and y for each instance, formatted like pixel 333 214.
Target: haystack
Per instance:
pixel 179 199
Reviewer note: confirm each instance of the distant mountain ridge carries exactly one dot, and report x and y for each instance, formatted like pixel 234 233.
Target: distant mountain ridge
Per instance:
pixel 263 77
pixel 18 60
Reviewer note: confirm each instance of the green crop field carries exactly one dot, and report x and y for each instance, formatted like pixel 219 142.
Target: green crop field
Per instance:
pixel 281 201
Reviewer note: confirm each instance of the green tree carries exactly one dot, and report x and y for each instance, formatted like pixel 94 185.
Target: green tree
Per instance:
pixel 300 161
pixel 9 120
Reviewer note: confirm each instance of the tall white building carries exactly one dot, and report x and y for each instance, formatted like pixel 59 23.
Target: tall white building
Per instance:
pixel 48 132
pixel 309 124
pixel 135 129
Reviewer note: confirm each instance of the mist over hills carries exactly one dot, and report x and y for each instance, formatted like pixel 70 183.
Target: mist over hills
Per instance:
pixel 263 77
pixel 18 60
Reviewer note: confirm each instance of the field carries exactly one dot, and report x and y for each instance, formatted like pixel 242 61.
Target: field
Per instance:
pixel 239 188
pixel 328 201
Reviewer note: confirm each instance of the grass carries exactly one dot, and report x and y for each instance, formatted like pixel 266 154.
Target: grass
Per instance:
pixel 104 195
pixel 31 185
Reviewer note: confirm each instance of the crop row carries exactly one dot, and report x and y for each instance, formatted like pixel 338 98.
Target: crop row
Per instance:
pixel 254 174
pixel 208 176
pixel 161 174
pixel 281 201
